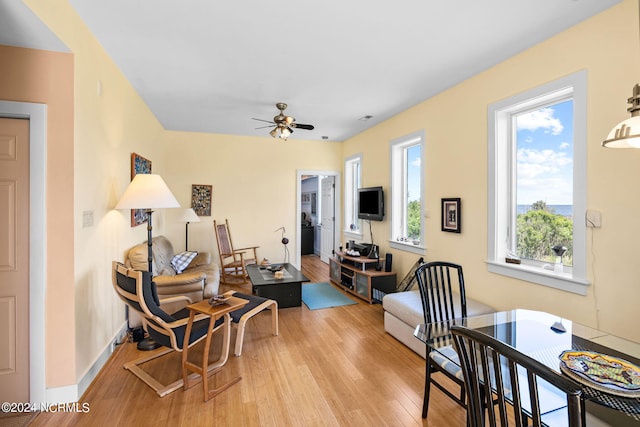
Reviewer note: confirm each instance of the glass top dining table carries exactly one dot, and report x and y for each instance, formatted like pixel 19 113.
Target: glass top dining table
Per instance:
pixel 544 337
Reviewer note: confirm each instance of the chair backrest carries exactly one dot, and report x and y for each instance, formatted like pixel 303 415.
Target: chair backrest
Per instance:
pixel 138 291
pixel 442 291
pixel 225 247
pixel 515 379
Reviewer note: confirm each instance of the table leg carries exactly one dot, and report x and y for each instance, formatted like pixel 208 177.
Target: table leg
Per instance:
pixel 185 350
pixel 216 366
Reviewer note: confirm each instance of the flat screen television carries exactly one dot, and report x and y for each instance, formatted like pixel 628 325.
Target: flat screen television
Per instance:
pixel 371 203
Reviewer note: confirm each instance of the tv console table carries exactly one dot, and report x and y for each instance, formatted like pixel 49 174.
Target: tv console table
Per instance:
pixel 358 276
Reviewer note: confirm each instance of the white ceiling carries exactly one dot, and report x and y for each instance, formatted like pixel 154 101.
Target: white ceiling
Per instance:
pixel 210 66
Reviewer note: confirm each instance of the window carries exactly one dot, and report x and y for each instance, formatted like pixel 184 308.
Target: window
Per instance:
pixel 537 185
pixel 352 167
pixel 407 209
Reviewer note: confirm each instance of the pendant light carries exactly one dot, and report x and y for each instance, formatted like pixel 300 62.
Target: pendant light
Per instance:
pixel 627 133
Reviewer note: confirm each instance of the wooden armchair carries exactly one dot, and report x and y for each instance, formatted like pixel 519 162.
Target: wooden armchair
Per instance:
pixel 233 262
pixel 137 290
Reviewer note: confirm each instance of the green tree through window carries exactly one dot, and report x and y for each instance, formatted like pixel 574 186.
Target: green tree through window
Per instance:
pixel 539 230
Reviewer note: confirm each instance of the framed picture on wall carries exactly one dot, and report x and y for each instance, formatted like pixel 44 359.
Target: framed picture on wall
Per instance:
pixel 201 199
pixel 139 165
pixel 451 218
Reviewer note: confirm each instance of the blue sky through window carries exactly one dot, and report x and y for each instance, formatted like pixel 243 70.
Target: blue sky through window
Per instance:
pixel 545 155
pixel 413 172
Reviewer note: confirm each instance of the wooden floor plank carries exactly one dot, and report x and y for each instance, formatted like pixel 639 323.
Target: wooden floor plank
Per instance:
pixel 329 367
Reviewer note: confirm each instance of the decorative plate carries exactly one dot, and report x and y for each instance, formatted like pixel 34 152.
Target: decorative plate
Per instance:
pixel 218 300
pixel 601 372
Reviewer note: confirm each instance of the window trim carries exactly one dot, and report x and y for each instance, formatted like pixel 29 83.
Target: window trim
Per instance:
pixel 575 281
pixel 356 234
pixel 395 145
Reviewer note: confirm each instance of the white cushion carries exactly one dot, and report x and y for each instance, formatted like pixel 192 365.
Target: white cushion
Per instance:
pixel 407 306
pixel 182 260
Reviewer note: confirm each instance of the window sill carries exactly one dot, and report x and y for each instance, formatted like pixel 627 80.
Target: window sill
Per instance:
pixel 408 247
pixel 540 276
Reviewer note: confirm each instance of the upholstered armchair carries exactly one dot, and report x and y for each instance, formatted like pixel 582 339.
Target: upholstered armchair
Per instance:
pixel 198 279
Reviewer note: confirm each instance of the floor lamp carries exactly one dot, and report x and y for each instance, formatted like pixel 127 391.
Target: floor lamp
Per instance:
pixel 188 216
pixel 148 192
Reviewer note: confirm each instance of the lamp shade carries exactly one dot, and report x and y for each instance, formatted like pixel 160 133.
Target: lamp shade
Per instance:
pixel 625 135
pixel 189 215
pixel 147 191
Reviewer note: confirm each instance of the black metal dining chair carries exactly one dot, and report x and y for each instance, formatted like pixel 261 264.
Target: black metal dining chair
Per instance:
pixel 497 374
pixel 443 298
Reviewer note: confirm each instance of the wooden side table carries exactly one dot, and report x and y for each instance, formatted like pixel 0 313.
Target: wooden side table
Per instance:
pixel 215 312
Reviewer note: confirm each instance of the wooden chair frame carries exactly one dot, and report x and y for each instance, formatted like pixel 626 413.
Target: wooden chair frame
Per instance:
pixel 233 262
pixel 136 301
pixel 268 304
pixel 484 357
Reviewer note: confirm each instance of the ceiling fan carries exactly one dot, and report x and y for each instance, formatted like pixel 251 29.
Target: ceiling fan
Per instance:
pixel 283 125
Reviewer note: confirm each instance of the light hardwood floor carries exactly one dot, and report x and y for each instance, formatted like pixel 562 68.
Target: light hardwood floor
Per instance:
pixel 334 367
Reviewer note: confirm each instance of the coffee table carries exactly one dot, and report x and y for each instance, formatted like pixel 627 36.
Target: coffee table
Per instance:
pixel 286 291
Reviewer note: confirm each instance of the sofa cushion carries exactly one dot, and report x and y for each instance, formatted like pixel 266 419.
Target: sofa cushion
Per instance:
pixel 407 306
pixel 182 260
pixel 162 254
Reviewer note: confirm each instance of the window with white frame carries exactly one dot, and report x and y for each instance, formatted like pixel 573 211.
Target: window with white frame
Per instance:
pixel 352 167
pixel 537 185
pixel 407 207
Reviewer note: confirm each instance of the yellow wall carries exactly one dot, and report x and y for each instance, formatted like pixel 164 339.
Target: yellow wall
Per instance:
pixel 455 124
pixel 254 179
pixel 254 186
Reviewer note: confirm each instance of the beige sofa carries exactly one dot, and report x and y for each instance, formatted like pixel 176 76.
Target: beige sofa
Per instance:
pixel 201 278
pixel 403 312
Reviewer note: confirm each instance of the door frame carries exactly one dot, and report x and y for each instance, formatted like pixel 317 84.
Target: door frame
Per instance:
pixel 336 203
pixel 37 116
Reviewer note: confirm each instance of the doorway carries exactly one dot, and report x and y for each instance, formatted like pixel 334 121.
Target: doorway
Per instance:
pixel 310 209
pixel 36 115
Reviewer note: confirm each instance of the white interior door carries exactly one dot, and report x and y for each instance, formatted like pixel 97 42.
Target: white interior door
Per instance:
pixel 328 218
pixel 14 260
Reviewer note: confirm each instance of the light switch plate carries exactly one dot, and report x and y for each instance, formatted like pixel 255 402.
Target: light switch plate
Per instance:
pixel 87 219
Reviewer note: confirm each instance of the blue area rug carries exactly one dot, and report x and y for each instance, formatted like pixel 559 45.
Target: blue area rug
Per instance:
pixel 323 295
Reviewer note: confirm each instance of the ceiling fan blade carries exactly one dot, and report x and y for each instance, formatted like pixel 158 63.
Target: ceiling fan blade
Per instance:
pixel 261 120
pixel 301 126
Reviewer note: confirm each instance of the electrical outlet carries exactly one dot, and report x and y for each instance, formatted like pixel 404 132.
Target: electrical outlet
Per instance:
pixel 594 219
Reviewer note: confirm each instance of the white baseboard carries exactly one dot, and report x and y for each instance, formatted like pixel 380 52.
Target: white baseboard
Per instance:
pixel 73 393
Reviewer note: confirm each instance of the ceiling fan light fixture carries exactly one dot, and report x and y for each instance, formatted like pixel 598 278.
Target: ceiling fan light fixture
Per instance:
pixel 283 125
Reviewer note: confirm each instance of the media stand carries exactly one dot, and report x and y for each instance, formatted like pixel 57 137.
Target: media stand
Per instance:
pixel 358 276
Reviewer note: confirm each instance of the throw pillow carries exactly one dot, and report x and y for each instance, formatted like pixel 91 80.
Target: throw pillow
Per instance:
pixel 182 260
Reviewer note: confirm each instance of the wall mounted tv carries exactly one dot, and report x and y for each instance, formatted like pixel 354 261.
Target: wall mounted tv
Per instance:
pixel 371 203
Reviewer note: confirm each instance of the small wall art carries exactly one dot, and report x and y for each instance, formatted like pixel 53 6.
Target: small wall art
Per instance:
pixel 139 165
pixel 201 199
pixel 451 215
